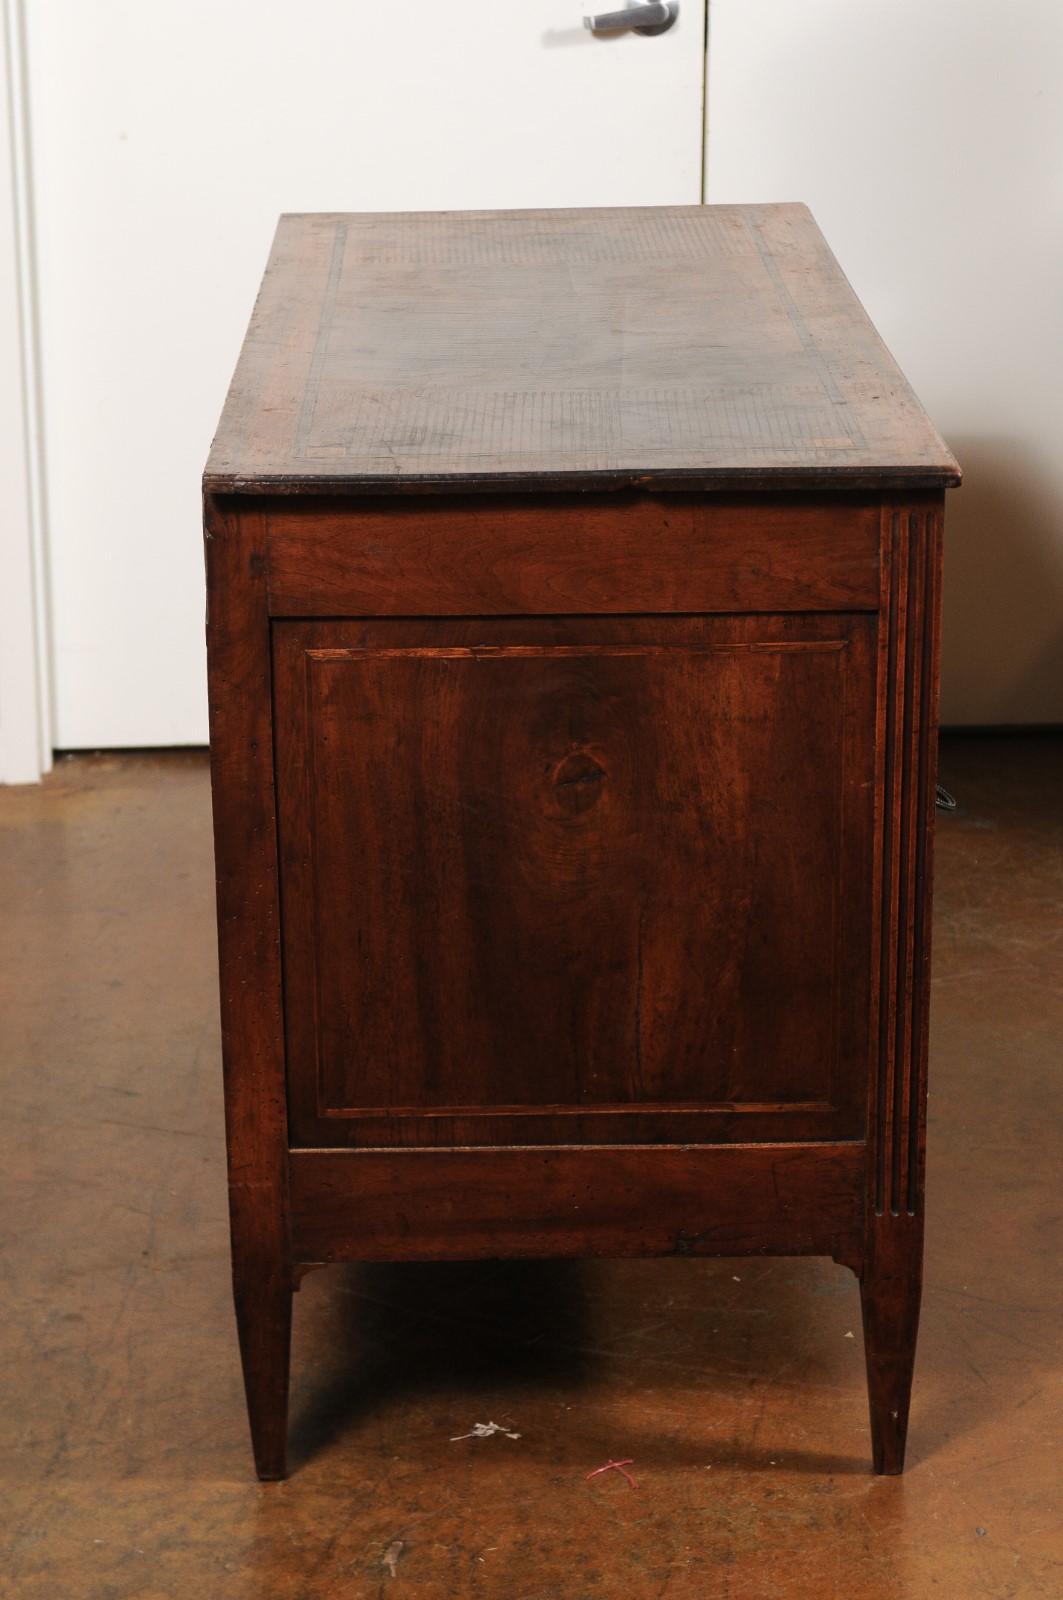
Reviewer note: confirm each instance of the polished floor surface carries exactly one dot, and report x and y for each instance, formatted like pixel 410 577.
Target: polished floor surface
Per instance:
pixel 735 1388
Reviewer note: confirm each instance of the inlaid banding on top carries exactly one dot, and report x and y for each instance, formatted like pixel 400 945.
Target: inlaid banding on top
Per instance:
pixel 653 347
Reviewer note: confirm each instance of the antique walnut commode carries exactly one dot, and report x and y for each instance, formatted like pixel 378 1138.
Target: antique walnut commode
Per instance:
pixel 573 613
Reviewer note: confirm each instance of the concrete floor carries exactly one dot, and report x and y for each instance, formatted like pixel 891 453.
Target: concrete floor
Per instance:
pixel 736 1387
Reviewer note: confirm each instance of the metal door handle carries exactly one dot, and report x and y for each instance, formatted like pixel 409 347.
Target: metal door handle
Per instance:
pixel 644 16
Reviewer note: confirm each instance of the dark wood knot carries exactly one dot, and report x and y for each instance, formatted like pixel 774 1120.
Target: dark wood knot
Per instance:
pixel 577 781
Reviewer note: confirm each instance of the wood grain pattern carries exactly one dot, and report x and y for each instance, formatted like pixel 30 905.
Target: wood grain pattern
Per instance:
pixel 707 345
pixel 891 1276
pixel 462 1204
pixel 542 878
pixel 572 554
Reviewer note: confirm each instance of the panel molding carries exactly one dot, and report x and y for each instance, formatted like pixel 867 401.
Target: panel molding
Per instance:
pixel 610 1108
pixel 825 1110
pixel 908 663
pixel 523 652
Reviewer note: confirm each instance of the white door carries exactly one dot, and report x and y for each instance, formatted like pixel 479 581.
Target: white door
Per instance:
pixel 166 139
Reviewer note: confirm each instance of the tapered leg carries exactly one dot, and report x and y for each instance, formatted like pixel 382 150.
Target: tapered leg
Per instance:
pixel 264 1322
pixel 252 1024
pixel 892 1269
pixel 890 1293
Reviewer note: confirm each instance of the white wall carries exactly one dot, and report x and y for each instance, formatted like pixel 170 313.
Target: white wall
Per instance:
pixel 927 136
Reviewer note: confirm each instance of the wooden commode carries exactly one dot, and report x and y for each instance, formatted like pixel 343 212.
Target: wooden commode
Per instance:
pixel 572 621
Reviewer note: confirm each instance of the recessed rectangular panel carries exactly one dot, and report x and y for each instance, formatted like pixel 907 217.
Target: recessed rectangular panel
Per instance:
pixel 592 873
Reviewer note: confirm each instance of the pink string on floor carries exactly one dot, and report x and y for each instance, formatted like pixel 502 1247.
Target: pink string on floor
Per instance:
pixel 615 1466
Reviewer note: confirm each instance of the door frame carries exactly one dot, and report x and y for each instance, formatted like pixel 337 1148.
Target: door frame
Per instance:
pixel 25 687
